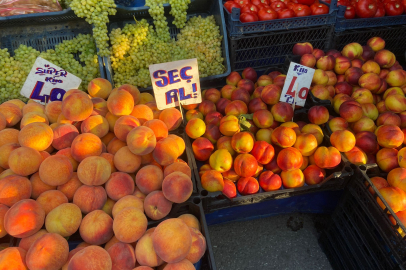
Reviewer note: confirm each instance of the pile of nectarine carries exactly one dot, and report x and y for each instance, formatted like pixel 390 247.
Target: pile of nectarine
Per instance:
pixel 100 164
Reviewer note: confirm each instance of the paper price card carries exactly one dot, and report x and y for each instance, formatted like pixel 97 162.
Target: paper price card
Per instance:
pixel 299 78
pixel 47 82
pixel 176 83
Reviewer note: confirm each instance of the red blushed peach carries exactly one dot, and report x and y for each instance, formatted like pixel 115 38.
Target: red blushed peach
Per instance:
pixel 127 201
pixel 318 115
pixel 393 91
pixel 213 118
pixel 229 125
pixel 172 118
pixel 149 178
pixel 385 58
pixel 242 142
pixel 134 92
pixel 271 94
pixel 314 175
pixel 99 107
pixel 212 181
pixel 396 78
pixel 68 153
pixel 352 50
pixel 129 225
pixel 8 135
pixel 257 92
pixel 308 60
pixel 240 94
pixel 51 199
pixel 389 136
pixel 24 218
pixel 14 188
pixel 401 157
pixel 247 185
pixel 395 103
pixel 342 63
pixel 397 178
pixel 394 197
pixel 227 90
pixel 86 145
pixel 38 136
pixel 90 198
pixel 351 111
pixel 337 123
pixel 371 66
pixel 270 181
pixel 191 114
pixel 326 62
pixel 38 187
pixel 120 102
pixel 221 160
pixel 13 258
pixel 370 81
pixel 340 99
pixel 293 178
pixel 364 124
pixel 229 189
pixel 56 170
pixel 212 94
pixel 77 107
pixel 141 140
pixel 320 77
pixel 99 88
pixel 370 111
pixel 302 48
pixel 306 144
pixel 315 130
pixel 225 143
pixel 256 104
pixel 247 85
pixel 64 136
pixel 26 242
pixel 388 118
pixel 230 175
pixel 318 53
pixel 177 187
pixel 195 128
pixel 367 142
pixel 352 75
pixel 156 206
pixel 32 117
pixel 362 96
pixel 94 171
pixel 12 113
pixel 91 256
pixel 206 107
pixel 263 118
pixel 236 108
pixel 143 113
pixel 168 150
pixel 53 110
pixel 387 159
pixel 221 105
pixel 356 156
pixel 283 137
pixel 263 152
pixel 124 125
pixel 264 80
pixel 5 152
pixel 264 134
pixel 378 182
pixel 376 43
pixel 289 159
pixel 145 253
pixel 126 161
pixel 245 165
pixel 212 133
pixel 202 149
pixel 96 125
pixel 122 256
pixel 381 106
pixel 343 88
pixel 327 158
pixel 282 112
pixel 119 185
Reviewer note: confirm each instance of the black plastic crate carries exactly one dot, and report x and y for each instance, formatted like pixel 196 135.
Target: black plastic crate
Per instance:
pixel 393 36
pixel 267 49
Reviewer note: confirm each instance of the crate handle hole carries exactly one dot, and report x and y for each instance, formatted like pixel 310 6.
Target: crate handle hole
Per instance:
pixel 362 167
pixel 204 193
pixel 196 200
pixel 348 169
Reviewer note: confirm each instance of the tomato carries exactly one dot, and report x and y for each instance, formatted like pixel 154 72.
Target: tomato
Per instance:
pixel 302 10
pixel 248 17
pixel 380 12
pixel 394 9
pixel 366 8
pixel 229 5
pixel 285 13
pixel 260 2
pixel 242 2
pixel 285 1
pixel 250 8
pixel 306 2
pixel 291 5
pixel 404 4
pixel 349 13
pixel 278 5
pixel 343 3
pixel 267 14
pixel 388 1
pixel 327 1
pixel 318 9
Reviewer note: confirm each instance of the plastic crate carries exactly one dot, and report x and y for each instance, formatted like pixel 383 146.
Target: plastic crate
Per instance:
pixel 197 8
pixel 44 37
pixel 337 179
pixel 343 24
pixel 236 28
pixel 271 48
pixel 190 207
pixel 38 18
pixel 393 36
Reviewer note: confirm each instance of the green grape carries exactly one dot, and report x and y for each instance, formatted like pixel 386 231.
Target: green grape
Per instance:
pixel 96 12
pixel 178 10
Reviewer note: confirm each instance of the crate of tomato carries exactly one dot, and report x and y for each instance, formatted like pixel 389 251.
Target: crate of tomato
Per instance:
pixel 353 14
pixel 256 16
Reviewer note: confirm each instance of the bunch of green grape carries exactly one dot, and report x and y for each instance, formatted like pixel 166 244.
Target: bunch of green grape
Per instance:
pixel 178 10
pixel 14 70
pixel 157 12
pixel 96 12
pixel 137 46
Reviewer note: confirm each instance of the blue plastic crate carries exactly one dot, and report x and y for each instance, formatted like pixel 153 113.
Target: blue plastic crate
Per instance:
pixel 44 37
pixel 343 24
pixel 39 18
pixel 236 28
pixel 212 7
pixel 129 3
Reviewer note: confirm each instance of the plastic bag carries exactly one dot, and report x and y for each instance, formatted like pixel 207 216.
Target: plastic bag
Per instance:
pixel 19 7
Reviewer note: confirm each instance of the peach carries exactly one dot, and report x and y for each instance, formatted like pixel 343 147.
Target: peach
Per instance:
pixel 32 117
pixel 282 112
pixel 362 96
pixel 256 104
pixel 91 257
pixel 370 81
pixel 388 118
pixel 401 157
pixel 177 167
pixel 263 118
pixel 320 77
pixel 356 156
pixel 184 264
pixel 26 242
pixel 387 159
pixel 149 178
pixel 370 111
pixel 229 125
pixel 124 125
pixel 233 78
pixel 283 137
pixel 212 181
pixel 318 115
pixel 227 91
pixel 38 136
pixel 191 114
pixel 198 246
pixel 396 78
pixel 314 175
pixel 212 133
pixel 19 103
pixel 51 199
pixel 381 106
pixel 395 103
pixel 394 197
pixel 191 221
pixel 119 185
pixel 96 228
pixel 352 75
pixel 364 124
pixel 207 106
pixel 115 145
pixel 108 206
pixel 221 160
pixel 68 153
pixel 77 107
pixel 248 85
pixel 270 181
pixel 126 161
pixel 127 201
pixel 64 136
pixel 156 205
pixel 271 94
pixel 3 211
pixel 342 63
pixel 13 258
pixel 122 256
pixel 202 149
pixel 33 106
pixel 315 130
pixel 90 198
pixel 24 161
pixel 371 66
pixel 289 159
pixel 6 173
pixel 195 128
pixel 236 107
pixel 351 111
pixel 241 95
pixel 166 151
pixel 129 225
pixel 306 144
pixel 264 134
pixel 389 136
pixel 376 43
pixel 242 142
pixel 143 113
pixel 293 126
pixel 293 178
pixel 158 127
pixel 326 62
pixel 352 50
pixel 145 253
pixel 24 218
pixel 120 102
pixel 385 58
pixel 64 219
pixel 263 152
pixel 86 145
pixel 5 152
pixel 318 53
pixel 99 88
pixel 250 74
pixel 94 171
pixel 302 48
pixel 343 88
pixel 308 60
pixel 145 98
pixel 12 113
pixel 110 159
pixel 367 142
pixel 393 91
pixel 396 178
pixel 222 105
pixel 177 187
pixel 338 100
pixel 337 123
pixel 38 186
pixel 99 107
pixel 379 183
pixel 56 170
pixel 327 158
pixel 135 93
pixel 172 118
pixel 111 119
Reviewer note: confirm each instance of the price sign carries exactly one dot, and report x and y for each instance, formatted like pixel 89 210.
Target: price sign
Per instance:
pixel 299 78
pixel 176 83
pixel 47 82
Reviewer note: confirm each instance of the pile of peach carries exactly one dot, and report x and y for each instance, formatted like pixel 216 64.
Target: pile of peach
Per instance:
pixel 274 149
pixel 107 156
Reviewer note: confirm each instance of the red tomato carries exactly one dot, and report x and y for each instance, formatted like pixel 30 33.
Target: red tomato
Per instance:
pixel 271 1
pixel 302 10
pixel 285 1
pixel 291 5
pixel 285 13
pixel 248 17
pixel 380 12
pixel 267 14
pixel 349 13
pixel 306 2
pixel 387 1
pixel 260 2
pixel 404 4
pixel 343 3
pixel 394 9
pixel 229 5
pixel 242 2
pixel 319 9
pixel 327 1
pixel 250 8
pixel 366 8
pixel 278 5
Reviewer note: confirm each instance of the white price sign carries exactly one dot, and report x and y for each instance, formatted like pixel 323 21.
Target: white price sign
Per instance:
pixel 299 78
pixel 176 83
pixel 47 82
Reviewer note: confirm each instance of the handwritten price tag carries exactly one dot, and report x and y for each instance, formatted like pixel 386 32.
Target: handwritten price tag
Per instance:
pixel 176 82
pixel 47 82
pixel 299 78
